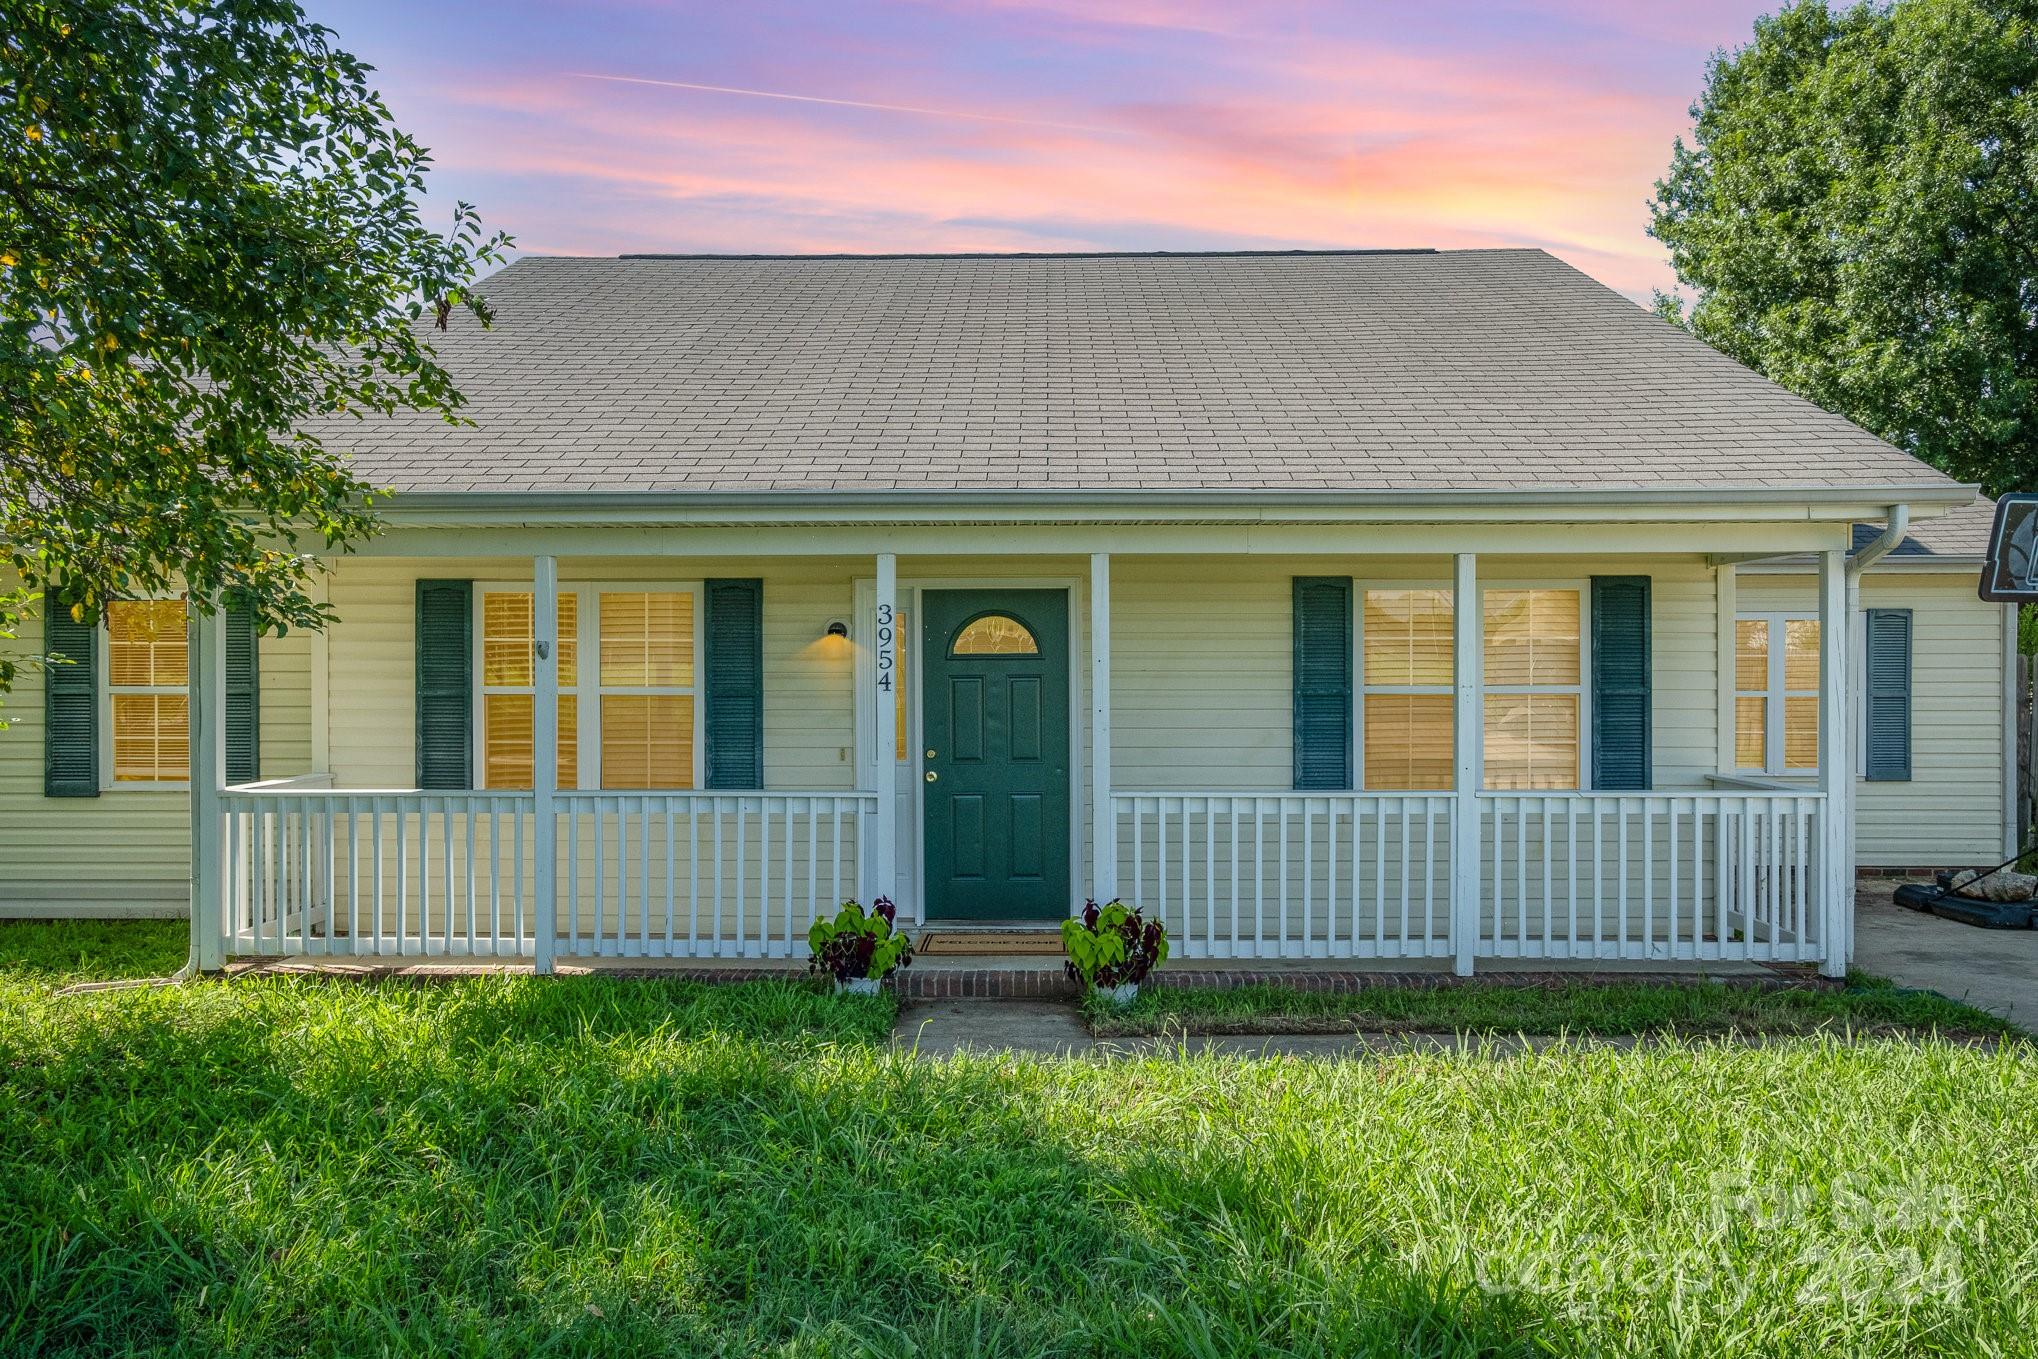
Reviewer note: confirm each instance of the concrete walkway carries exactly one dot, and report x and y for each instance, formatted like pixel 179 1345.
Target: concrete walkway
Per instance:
pixel 1993 970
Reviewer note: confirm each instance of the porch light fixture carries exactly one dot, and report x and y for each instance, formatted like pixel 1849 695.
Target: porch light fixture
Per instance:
pixel 837 627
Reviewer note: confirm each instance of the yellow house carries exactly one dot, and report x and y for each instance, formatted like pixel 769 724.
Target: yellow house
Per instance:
pixel 989 584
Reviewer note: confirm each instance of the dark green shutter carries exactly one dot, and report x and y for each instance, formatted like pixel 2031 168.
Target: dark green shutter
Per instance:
pixel 1889 696
pixel 734 672
pixel 445 683
pixel 1323 682
pixel 70 704
pixel 1621 727
pixel 243 698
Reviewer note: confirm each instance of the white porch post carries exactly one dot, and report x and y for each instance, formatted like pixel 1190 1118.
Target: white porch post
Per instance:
pixel 1836 775
pixel 545 757
pixel 1726 605
pixel 1103 819
pixel 881 869
pixel 1468 738
pixel 207 710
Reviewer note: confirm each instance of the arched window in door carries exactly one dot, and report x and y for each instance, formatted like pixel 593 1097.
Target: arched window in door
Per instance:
pixel 994 634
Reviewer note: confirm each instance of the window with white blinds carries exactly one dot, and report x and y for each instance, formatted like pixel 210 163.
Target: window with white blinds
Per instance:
pixel 630 651
pixel 1776 693
pixel 508 673
pixel 148 701
pixel 1534 688
pixel 1406 701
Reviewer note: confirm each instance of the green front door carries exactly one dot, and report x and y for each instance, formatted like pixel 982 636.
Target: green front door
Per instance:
pixel 995 685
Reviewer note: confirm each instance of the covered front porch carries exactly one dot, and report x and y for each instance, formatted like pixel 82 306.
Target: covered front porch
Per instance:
pixel 1167 750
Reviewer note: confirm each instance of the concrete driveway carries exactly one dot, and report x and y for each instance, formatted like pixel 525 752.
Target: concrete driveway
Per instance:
pixel 1995 970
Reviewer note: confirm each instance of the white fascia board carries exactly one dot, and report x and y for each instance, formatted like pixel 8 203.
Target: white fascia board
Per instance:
pixel 1569 505
pixel 1622 538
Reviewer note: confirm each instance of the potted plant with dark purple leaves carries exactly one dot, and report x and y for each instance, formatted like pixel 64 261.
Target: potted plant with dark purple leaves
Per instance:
pixel 1111 948
pixel 859 949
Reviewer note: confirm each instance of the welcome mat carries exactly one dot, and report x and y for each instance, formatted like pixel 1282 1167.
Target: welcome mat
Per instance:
pixel 990 944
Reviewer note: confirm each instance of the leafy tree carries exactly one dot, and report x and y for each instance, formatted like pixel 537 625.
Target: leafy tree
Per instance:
pixel 1856 218
pixel 208 239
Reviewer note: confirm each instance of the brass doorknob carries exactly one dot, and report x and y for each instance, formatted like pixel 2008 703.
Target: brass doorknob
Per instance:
pixel 931 776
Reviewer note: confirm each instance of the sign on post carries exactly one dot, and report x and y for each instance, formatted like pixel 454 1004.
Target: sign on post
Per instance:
pixel 886 650
pixel 2010 575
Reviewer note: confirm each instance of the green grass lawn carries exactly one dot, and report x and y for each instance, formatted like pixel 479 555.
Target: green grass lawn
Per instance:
pixel 597 1167
pixel 1867 1005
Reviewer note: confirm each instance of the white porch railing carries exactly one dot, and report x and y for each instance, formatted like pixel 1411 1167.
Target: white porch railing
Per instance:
pixel 413 874
pixel 1632 876
pixel 1291 875
pixel 1662 876
pixel 1650 876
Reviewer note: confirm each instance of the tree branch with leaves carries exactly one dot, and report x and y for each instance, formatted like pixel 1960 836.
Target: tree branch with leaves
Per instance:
pixel 1856 216
pixel 209 239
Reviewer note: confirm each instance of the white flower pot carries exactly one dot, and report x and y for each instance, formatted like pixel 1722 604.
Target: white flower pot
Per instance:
pixel 856 986
pixel 1124 995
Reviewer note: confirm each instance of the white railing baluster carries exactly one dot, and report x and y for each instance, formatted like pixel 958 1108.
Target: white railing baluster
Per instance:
pixel 693 875
pixel 742 873
pixel 1648 879
pixel 1281 806
pixel 1231 805
pixel 1308 876
pixel 813 872
pixel 1429 880
pixel 1259 879
pixel 1379 880
pixel 1209 872
pixel 1571 873
pixel 1139 860
pixel 719 899
pixel 402 923
pixel 1495 811
pixel 1621 872
pixel 763 876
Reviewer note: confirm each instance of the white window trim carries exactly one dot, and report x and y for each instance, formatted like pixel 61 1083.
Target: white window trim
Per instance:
pixel 104 689
pixel 1583 689
pixel 587 674
pixel 1774 693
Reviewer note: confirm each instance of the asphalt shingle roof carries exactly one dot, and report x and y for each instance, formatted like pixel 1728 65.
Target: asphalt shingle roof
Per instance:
pixel 1961 532
pixel 1412 371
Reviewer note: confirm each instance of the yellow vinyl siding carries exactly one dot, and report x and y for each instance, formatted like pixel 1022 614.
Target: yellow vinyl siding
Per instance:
pixel 126 852
pixel 1201 656
pixel 808 684
pixel 1951 809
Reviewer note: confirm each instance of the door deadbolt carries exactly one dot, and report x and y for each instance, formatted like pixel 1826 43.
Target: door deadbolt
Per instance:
pixel 931 776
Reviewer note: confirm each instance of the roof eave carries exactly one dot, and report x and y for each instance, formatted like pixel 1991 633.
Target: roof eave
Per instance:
pixel 1809 502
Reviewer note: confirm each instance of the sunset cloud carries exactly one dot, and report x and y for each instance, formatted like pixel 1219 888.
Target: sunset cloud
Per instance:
pixel 1051 124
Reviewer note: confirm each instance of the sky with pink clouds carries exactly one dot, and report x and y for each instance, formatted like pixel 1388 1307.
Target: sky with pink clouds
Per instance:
pixel 612 126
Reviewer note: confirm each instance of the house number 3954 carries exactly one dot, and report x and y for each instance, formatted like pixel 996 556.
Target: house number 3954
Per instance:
pixel 885 635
